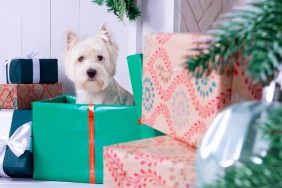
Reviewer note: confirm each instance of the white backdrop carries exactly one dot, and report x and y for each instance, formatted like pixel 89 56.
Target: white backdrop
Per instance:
pixel 39 26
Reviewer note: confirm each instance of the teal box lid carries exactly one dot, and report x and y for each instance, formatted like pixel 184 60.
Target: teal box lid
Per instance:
pixel 135 71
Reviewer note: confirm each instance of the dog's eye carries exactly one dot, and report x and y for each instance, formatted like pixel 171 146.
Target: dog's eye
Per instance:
pixel 81 58
pixel 99 58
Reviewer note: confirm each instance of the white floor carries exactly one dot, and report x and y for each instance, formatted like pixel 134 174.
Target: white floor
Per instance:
pixel 26 183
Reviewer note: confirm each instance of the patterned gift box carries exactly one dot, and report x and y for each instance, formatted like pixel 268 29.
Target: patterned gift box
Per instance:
pixel 183 106
pixel 69 138
pixel 162 162
pixel 20 96
pixel 242 88
pixel 15 143
pixel 28 71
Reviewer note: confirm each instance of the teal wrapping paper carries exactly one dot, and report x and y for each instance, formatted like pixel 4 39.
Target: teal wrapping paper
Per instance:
pixel 61 137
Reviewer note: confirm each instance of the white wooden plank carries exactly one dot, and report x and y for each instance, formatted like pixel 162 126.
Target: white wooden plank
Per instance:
pixel 64 16
pixel 36 27
pixel 169 15
pixel 92 17
pixel 135 33
pixel 10 32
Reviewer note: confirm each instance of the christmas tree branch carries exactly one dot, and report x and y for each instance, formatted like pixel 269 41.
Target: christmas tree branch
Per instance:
pixel 255 30
pixel 121 8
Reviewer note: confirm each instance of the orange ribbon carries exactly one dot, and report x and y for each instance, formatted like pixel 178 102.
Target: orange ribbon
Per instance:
pixel 140 121
pixel 91 142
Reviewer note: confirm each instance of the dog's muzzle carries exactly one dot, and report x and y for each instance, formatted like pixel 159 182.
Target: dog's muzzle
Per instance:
pixel 91 73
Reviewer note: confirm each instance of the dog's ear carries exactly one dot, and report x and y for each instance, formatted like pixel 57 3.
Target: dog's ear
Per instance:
pixel 70 39
pixel 106 35
pixel 105 31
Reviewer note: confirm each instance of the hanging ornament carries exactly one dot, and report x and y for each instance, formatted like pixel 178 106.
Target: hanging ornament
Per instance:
pixel 235 152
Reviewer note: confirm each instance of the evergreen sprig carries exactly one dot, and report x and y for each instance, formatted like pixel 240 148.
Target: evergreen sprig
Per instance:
pixel 259 171
pixel 121 8
pixel 255 30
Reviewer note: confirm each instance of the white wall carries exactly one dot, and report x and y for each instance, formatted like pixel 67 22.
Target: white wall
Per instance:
pixel 157 16
pixel 39 26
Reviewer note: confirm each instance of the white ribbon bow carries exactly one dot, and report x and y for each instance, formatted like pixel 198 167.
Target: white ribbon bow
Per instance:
pixel 19 141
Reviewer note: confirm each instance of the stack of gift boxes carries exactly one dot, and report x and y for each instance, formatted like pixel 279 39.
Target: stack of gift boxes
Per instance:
pixel 178 105
pixel 66 140
pixel 151 144
pixel 28 80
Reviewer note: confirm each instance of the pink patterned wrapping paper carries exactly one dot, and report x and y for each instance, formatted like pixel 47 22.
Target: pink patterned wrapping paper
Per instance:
pixel 183 106
pixel 243 88
pixel 160 162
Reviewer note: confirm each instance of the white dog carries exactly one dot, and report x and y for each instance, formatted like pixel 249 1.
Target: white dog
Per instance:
pixel 91 65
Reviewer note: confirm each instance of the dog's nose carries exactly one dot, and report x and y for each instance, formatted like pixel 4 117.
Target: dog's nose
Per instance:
pixel 91 73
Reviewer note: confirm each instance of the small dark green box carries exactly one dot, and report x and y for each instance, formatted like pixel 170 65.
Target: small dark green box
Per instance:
pixel 21 71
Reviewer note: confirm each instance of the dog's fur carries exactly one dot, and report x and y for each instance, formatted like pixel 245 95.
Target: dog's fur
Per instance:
pixel 91 65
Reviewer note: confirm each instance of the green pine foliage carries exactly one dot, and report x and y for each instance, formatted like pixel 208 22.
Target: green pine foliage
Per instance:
pixel 121 8
pixel 259 171
pixel 255 30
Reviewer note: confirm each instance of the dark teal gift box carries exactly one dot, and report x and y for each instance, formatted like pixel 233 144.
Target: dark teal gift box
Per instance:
pixel 16 158
pixel 28 71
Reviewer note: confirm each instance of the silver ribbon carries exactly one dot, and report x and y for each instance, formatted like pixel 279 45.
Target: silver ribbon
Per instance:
pixel 8 62
pixel 36 71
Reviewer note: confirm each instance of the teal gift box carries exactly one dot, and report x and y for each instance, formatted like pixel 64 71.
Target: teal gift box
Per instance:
pixel 28 71
pixel 15 144
pixel 69 137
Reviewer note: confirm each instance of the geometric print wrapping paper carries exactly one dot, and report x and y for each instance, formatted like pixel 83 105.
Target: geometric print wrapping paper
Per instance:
pixel 21 96
pixel 182 106
pixel 160 162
